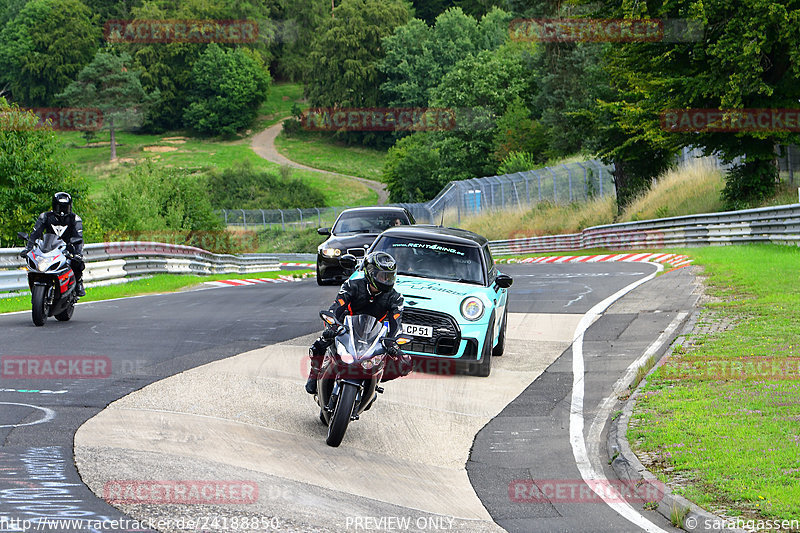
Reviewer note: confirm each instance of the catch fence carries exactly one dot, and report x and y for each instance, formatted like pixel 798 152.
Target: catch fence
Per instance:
pixel 569 182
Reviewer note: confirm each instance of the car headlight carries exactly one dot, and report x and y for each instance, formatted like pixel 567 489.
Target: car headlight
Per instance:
pixel 331 252
pixel 472 308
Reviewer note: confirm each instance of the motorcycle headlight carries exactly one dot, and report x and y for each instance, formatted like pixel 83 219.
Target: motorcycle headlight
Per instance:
pixel 344 355
pixel 331 252
pixel 372 362
pixel 472 308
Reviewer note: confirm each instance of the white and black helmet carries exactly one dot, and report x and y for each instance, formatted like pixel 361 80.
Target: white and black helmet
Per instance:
pixel 62 204
pixel 380 270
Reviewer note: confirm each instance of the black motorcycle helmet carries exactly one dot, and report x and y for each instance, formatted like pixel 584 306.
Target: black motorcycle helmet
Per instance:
pixel 380 271
pixel 62 204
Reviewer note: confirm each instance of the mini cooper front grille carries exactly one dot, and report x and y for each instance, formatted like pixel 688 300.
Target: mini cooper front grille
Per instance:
pixel 446 333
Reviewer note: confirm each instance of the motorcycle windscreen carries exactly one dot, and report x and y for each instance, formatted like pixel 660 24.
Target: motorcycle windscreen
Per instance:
pixel 365 334
pixel 49 242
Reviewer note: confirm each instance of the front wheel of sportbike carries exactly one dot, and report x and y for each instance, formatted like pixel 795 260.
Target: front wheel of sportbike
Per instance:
pixel 38 306
pixel 341 415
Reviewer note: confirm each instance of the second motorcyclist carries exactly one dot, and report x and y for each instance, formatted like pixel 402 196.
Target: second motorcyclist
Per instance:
pixel 68 226
pixel 373 294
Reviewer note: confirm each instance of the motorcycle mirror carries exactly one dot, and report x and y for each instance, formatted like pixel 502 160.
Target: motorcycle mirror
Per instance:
pixel 348 261
pixel 328 317
pixel 22 235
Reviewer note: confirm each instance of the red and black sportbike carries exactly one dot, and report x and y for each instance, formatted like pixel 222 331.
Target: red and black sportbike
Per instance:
pixel 51 279
pixel 348 382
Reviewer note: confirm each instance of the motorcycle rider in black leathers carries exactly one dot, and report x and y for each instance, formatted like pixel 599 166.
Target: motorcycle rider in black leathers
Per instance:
pixel 374 295
pixel 62 222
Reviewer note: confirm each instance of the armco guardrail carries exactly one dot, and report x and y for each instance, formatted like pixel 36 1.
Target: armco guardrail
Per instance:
pixel 116 260
pixel 780 225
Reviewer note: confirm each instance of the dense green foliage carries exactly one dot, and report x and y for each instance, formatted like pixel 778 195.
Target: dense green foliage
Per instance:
pixel 343 62
pixel 31 171
pixel 44 46
pixel 245 187
pixel 227 89
pixel 150 198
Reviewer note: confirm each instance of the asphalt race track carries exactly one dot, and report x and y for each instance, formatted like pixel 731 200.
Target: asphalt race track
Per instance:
pixel 432 454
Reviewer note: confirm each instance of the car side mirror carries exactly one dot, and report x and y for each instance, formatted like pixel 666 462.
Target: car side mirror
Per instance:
pixel 324 231
pixel 504 281
pixel 22 235
pixel 348 261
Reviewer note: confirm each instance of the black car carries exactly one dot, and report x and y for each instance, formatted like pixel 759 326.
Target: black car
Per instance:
pixel 352 233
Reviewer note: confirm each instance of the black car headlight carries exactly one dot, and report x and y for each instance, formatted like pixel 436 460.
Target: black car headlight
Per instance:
pixel 331 252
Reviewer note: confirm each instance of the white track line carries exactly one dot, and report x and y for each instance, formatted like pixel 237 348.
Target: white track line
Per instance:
pixel 576 422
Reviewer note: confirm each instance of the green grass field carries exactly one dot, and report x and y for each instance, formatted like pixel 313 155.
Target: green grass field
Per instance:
pixel 723 412
pixel 156 284
pixel 320 151
pixel 172 150
pixel 279 103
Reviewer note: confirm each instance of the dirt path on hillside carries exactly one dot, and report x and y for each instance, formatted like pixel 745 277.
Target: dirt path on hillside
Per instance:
pixel 263 144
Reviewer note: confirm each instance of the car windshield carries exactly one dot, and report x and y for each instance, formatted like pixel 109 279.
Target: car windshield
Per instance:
pixel 367 222
pixel 427 259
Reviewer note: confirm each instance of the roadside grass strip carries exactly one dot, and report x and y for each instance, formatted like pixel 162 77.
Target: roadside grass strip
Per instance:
pixel 719 420
pixel 159 283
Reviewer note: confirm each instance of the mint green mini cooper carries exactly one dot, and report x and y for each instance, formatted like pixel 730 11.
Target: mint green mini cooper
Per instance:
pixel 455 300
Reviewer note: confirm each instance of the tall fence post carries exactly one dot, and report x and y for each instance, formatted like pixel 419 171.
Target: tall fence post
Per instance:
pixel 283 222
pixel 555 194
pixel 585 182
pixel 263 217
pixel 569 176
pixel 319 218
pixel 244 218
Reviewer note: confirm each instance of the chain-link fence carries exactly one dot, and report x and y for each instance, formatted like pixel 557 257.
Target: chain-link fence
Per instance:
pixel 559 184
pixel 788 159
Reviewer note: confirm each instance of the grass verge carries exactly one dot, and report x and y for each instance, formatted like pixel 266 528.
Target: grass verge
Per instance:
pixel 156 284
pixel 281 98
pixel 319 150
pixel 720 418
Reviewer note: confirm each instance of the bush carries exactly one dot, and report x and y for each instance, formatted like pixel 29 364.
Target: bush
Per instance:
pixel 158 199
pixel 517 162
pixel 32 169
pixel 245 187
pixel 412 169
pixel 228 88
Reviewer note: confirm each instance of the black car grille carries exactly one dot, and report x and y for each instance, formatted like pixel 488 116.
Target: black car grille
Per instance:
pixel 446 333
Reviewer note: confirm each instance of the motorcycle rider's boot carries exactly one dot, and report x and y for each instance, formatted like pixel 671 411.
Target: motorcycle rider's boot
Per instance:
pixel 79 290
pixel 316 363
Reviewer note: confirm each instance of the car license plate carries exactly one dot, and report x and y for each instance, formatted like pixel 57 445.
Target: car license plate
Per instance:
pixel 418 331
